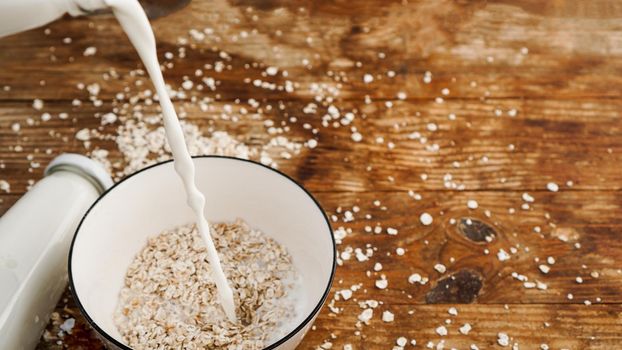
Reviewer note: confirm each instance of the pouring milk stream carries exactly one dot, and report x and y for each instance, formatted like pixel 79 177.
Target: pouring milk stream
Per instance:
pixel 134 21
pixel 17 15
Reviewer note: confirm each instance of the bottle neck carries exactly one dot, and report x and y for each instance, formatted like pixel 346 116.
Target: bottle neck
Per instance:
pixel 84 7
pixel 87 168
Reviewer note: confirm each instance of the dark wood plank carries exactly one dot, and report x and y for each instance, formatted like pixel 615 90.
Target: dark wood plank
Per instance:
pixel 558 326
pixel 577 234
pixel 547 141
pixel 572 50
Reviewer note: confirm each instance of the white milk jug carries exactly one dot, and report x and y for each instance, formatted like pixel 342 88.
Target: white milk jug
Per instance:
pixel 20 15
pixel 35 235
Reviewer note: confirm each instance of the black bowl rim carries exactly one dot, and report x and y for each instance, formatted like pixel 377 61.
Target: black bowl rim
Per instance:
pixel 303 324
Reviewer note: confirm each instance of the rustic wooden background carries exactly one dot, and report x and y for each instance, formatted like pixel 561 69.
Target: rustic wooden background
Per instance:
pixel 558 64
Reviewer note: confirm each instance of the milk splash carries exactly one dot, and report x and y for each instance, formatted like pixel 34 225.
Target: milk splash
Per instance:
pixel 134 22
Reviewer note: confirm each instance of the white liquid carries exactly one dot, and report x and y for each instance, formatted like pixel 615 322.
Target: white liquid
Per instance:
pixel 132 18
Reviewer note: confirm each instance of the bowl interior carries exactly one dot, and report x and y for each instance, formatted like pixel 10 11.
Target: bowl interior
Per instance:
pixel 152 200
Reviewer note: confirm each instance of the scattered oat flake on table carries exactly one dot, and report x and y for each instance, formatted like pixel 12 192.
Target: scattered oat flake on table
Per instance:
pixel 366 315
pixel 440 268
pixel 83 134
pixel 529 285
pixel 465 329
pixel 108 118
pixel 90 51
pixel 5 186
pixel 388 316
pixel 527 197
pixel 432 127
pixel 552 186
pixel 187 84
pixel 345 294
pixel 544 268
pixel 401 341
pixel 37 104
pixel 414 278
pixel 441 330
pixel 503 339
pixel 541 285
pixel 391 231
pixel 68 325
pixel 472 204
pixel 427 77
pixel 426 219
pixel 502 255
pixel 382 283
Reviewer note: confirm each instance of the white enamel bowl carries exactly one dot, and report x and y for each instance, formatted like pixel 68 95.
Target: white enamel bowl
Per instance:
pixel 117 226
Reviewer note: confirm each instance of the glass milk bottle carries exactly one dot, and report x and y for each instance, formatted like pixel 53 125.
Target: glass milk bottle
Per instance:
pixel 35 235
pixel 20 15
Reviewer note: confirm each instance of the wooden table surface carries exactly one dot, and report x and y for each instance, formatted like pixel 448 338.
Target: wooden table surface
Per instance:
pixel 470 100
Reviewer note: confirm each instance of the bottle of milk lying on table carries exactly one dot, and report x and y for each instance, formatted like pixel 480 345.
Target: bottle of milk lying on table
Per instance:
pixel 35 235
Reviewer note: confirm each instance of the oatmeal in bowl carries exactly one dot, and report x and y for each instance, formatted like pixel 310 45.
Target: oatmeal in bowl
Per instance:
pixel 169 296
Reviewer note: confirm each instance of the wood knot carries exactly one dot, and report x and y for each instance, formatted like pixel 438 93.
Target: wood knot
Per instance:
pixel 476 230
pixel 356 29
pixel 462 287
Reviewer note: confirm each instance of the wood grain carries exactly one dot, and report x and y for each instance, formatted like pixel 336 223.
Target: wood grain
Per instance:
pixel 559 327
pixel 548 141
pixel 528 325
pixel 444 243
pixel 534 90
pixel 572 55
